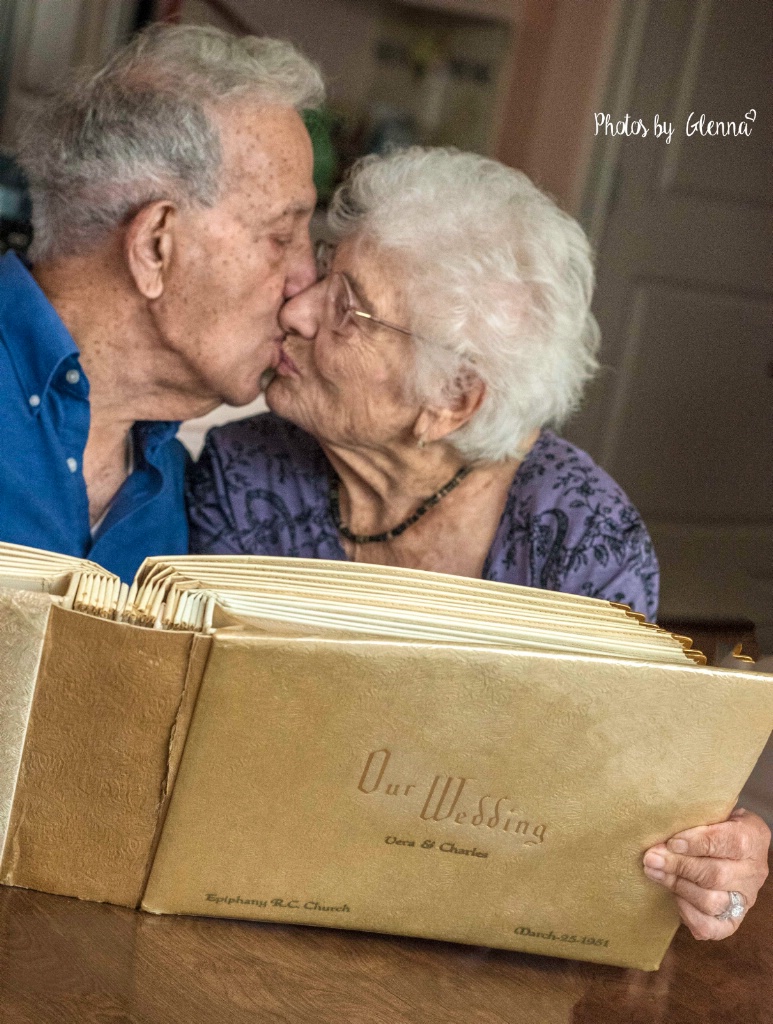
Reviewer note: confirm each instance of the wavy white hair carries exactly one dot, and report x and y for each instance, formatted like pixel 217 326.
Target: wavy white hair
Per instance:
pixel 142 129
pixel 497 280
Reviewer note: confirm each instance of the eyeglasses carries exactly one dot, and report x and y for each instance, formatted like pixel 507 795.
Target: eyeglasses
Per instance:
pixel 340 300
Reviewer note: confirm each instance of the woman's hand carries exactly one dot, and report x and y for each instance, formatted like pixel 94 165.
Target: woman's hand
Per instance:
pixel 702 865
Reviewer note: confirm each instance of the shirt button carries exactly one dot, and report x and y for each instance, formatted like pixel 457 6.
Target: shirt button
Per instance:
pixel 72 464
pixel 34 401
pixel 72 376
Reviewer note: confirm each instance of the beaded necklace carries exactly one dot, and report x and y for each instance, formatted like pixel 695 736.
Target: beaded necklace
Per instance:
pixel 379 538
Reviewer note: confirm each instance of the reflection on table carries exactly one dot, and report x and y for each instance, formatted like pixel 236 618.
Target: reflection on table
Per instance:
pixel 68 961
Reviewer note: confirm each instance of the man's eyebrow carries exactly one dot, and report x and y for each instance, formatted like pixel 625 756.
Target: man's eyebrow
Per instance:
pixel 294 210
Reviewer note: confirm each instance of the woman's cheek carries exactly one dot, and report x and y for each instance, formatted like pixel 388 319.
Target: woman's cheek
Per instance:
pixel 339 367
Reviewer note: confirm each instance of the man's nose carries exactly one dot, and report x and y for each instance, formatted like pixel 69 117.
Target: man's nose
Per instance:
pixel 302 313
pixel 302 272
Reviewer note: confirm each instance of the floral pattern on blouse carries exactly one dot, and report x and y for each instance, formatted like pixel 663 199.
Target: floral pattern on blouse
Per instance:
pixel 261 487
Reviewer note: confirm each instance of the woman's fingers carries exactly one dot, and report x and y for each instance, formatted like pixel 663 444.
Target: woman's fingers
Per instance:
pixel 709 873
pixel 708 901
pixel 743 835
pixel 702 865
pixel 706 926
pixel 698 907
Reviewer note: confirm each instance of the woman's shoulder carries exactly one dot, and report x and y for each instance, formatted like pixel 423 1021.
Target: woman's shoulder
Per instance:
pixel 558 472
pixel 569 526
pixel 259 487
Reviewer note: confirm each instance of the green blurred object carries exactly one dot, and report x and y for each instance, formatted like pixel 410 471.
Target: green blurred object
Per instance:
pixel 320 124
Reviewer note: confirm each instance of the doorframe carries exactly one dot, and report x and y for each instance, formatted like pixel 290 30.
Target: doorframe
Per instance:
pixel 602 178
pixel 7 36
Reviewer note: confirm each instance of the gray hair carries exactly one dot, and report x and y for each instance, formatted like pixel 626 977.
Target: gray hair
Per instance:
pixel 497 280
pixel 141 129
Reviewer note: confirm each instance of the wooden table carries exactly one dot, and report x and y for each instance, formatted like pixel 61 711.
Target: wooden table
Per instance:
pixel 64 961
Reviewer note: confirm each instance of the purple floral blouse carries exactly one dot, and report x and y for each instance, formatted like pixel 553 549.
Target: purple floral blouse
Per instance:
pixel 261 487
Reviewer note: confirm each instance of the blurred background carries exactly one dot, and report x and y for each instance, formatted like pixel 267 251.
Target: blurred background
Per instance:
pixel 682 414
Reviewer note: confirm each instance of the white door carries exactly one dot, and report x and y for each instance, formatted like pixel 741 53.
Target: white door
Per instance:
pixel 683 416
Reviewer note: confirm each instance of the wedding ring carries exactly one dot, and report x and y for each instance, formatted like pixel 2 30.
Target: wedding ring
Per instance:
pixel 735 909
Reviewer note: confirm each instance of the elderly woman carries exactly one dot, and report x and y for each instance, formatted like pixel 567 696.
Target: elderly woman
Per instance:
pixel 410 407
pixel 415 385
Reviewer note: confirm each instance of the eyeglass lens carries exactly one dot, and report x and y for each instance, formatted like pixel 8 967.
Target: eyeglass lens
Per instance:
pixel 339 302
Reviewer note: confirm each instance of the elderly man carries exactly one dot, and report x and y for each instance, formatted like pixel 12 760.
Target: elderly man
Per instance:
pixel 172 195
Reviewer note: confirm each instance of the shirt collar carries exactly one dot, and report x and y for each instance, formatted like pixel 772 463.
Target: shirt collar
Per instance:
pixel 153 434
pixel 37 340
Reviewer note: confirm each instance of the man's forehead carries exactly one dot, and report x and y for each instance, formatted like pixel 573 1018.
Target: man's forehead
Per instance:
pixel 267 158
pixel 268 218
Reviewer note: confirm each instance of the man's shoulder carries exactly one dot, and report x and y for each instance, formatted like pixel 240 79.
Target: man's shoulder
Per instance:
pixel 10 383
pixel 33 337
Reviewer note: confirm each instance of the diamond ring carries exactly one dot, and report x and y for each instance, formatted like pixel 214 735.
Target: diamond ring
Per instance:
pixel 735 909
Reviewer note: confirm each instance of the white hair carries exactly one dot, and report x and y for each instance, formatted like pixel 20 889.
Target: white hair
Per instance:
pixel 142 129
pixel 497 281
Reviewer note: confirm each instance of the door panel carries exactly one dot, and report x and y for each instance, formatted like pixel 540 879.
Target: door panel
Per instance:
pixel 682 414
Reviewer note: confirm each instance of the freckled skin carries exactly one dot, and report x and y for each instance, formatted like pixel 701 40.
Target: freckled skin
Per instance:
pixel 209 330
pixel 235 263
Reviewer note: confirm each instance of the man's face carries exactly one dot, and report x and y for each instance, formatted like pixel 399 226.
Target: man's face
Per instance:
pixel 235 263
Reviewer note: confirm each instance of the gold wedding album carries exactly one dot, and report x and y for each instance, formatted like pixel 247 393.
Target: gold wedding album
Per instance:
pixel 353 746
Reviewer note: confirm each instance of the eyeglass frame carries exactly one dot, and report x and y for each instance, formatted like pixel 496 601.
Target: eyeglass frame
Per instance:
pixel 323 252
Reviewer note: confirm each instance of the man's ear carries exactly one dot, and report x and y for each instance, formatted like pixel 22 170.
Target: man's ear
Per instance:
pixel 435 422
pixel 148 244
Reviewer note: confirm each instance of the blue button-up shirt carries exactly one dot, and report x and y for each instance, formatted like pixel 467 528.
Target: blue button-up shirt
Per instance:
pixel 44 425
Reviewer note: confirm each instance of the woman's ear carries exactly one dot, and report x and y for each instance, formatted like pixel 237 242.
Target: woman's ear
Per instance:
pixel 435 422
pixel 148 244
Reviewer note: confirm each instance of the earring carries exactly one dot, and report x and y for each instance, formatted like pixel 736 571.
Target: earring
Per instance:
pixel 421 443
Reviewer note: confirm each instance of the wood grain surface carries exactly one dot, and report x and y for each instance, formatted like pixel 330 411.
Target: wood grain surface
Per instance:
pixel 63 961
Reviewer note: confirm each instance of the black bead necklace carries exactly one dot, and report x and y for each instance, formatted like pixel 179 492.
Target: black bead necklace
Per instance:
pixel 379 538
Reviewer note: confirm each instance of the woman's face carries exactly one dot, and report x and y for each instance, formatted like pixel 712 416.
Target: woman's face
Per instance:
pixel 348 383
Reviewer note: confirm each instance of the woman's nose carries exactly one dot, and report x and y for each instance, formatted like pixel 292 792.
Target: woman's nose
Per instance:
pixel 302 313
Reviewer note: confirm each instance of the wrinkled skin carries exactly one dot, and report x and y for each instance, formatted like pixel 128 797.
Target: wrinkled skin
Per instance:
pixel 235 263
pixel 701 865
pixel 348 390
